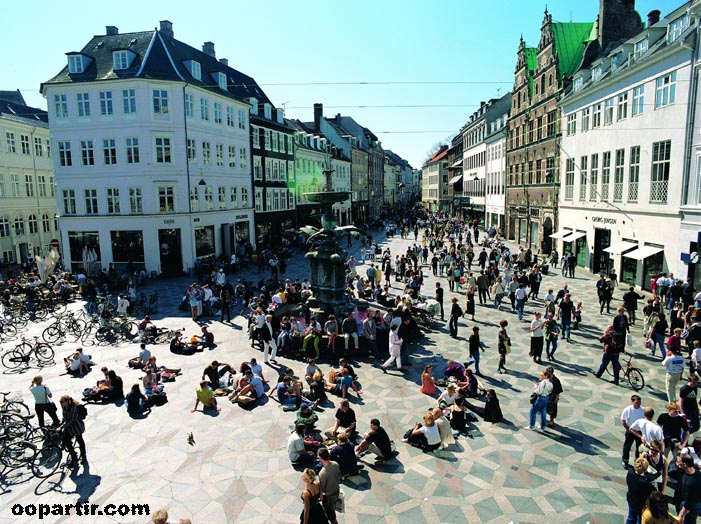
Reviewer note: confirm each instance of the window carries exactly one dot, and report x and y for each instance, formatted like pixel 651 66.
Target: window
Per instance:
pixel 208 198
pixel 244 197
pixel 230 120
pixel 634 174
pixel 106 103
pixel 75 64
pixel 258 199
pixel 45 223
pixel 676 28
pixel 109 150
pixel 640 48
pixel 195 70
pixel 24 142
pixel 33 224
pixel 166 199
pixel 41 184
pixel 204 109
pixel 618 175
pixel 232 156
pixel 596 116
pixel 189 104
pixel 255 132
pixel 578 83
pixel 583 178
pixel 135 204
pixel 222 197
pixel 243 153
pixel 242 120
pixel 206 153
pixel 61 106
pixel 552 122
pixel 217 113
pixel 593 177
pixel 191 149
pixel 160 101
pixel 665 89
pixel 4 227
pixel 113 200
pixel 233 198
pixel 571 123
pixel 257 168
pixel 19 225
pixel 585 119
pixel 274 137
pixel 661 155
pixel 129 101
pixel 608 112
pixel 596 74
pixel 605 176
pixel 69 202
pixel 132 144
pixel 38 147
pixel 622 106
pixel 638 99
pixel 29 185
pixel 3 194
pixel 90 201
pixel 10 141
pixel 219 148
pixel 51 187
pixel 87 153
pixel 83 104
pixel 221 80
pixel 569 179
pixel 194 199
pixel 120 60
pixel 64 154
pixel 163 150
pixel 266 139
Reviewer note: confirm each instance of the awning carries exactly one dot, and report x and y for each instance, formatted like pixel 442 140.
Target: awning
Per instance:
pixel 455 179
pixel 617 249
pixel 561 233
pixel 643 252
pixel 458 163
pixel 574 236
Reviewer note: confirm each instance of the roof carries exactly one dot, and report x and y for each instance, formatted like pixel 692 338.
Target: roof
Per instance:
pixel 531 54
pixel 23 113
pixel 571 39
pixel 13 96
pixel 438 155
pixel 158 56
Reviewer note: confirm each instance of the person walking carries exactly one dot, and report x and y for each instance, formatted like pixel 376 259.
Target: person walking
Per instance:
pixel 539 403
pixel 552 332
pixel 330 484
pixel 72 427
pixel 611 352
pixel 42 401
pixel 571 264
pixel 475 346
pixel 537 340
pixel 268 337
pixel 639 490
pixel 395 349
pixel 438 297
pixel 564 314
pixel 628 416
pixel 521 295
pixel 313 511
pixel 673 365
pixel 504 346
pixel 554 397
pixel 455 313
pixel 690 490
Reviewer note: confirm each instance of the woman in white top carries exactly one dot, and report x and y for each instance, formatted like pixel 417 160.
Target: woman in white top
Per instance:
pixel 448 397
pixel 426 437
pixel 395 349
pixel 42 401
pixel 542 396
pixel 695 451
pixel 444 428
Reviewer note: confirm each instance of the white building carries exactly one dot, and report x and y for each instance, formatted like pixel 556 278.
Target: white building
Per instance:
pixel 623 154
pixel 27 202
pixel 151 152
pixel 436 193
pixel 341 181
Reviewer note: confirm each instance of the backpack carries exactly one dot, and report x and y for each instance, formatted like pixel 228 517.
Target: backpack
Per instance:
pixel 82 411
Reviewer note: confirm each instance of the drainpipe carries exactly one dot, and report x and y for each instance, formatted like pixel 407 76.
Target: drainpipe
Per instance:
pixel 690 117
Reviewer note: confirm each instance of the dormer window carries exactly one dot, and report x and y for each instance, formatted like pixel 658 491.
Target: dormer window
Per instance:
pixel 254 105
pixel 596 73
pixel 280 113
pixel 77 63
pixel 676 28
pixel 221 80
pixel 195 69
pixel 578 83
pixel 268 111
pixel 122 59
pixel 640 48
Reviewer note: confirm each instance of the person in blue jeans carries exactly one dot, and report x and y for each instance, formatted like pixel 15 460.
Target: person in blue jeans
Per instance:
pixel 521 295
pixel 639 489
pixel 657 335
pixel 564 314
pixel 611 353
pixel 690 490
pixel 542 391
pixel 552 334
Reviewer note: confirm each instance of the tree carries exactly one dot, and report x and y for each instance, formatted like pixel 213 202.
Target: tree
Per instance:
pixel 434 149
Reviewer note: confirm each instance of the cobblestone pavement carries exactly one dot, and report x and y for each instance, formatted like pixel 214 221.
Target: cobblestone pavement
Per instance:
pixel 238 469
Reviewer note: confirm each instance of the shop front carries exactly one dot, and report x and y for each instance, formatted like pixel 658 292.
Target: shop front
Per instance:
pixel 648 261
pixel 628 270
pixel 127 249
pixel 84 249
pixel 576 243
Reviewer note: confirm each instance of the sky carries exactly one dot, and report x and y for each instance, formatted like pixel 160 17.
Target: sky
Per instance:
pixel 412 71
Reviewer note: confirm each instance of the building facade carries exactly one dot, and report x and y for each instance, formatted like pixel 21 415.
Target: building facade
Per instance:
pixel 436 192
pixel 495 181
pixel 27 201
pixel 624 152
pixel 151 152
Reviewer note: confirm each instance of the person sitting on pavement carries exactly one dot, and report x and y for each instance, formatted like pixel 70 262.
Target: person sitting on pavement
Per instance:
pixel 78 362
pixel 345 422
pixel 376 441
pixel 424 436
pixel 140 361
pixel 205 340
pixel 147 329
pixel 344 454
pixel 215 372
pixel 179 347
pixel 136 401
pixel 257 369
pixel 110 389
pixel 448 397
pixel 151 385
pixel 306 415
pixel 206 396
pixel 163 372
pixel 300 449
pixel 311 369
pixel 345 383
pixel 250 385
pixel 455 370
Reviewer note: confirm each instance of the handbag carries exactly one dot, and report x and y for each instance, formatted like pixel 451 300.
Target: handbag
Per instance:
pixel 340 505
pixel 534 396
pixel 629 339
pixel 50 406
pixel 648 343
pixel 507 346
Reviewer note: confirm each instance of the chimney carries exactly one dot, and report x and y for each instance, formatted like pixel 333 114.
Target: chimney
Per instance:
pixel 224 61
pixel 618 21
pixel 337 118
pixel 111 30
pixel 208 49
pixel 167 28
pixel 318 113
pixel 653 17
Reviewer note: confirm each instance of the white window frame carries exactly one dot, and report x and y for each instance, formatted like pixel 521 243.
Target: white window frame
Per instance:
pixel 163 150
pixel 120 60
pixel 109 151
pixel 159 98
pixel 113 204
pixel 166 199
pixel 91 203
pixel 61 106
pixel 217 113
pixel 136 204
pixel 87 153
pixel 665 90
pixel 129 101
pixel 106 106
pixel 83 101
pixel 189 104
pixel 638 100
pixel 132 148
pixel 204 109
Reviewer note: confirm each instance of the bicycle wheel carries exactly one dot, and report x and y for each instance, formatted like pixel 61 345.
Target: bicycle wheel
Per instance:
pixel 104 334
pixel 8 331
pixel 17 453
pixel 13 359
pixel 44 353
pixel 14 426
pixel 128 329
pixel 636 379
pixel 59 308
pixel 46 461
pixel 16 406
pixel 76 327
pixel 52 334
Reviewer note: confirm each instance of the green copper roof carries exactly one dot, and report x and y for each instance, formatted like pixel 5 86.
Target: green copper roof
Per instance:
pixel 570 40
pixel 531 54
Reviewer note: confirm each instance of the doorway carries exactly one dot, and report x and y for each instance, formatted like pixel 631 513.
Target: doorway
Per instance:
pixel 601 263
pixel 170 247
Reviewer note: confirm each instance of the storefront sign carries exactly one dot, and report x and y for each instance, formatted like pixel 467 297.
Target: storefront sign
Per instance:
pixel 169 221
pixel 238 217
pixel 603 220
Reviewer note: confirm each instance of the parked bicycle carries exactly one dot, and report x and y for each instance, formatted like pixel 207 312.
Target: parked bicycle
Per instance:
pixel 8 405
pixel 23 353
pixel 632 374
pixel 62 327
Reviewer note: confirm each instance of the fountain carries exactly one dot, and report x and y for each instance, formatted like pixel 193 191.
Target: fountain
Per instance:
pixel 326 256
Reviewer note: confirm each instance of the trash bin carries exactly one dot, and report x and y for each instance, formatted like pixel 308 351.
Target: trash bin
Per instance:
pixel 545 268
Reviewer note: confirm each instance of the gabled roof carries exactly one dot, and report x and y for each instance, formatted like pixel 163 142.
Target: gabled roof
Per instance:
pixel 23 113
pixel 159 56
pixel 13 96
pixel 438 155
pixel 571 39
